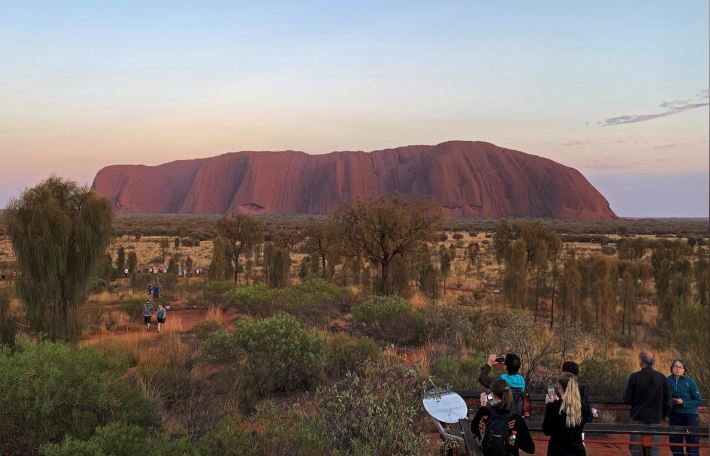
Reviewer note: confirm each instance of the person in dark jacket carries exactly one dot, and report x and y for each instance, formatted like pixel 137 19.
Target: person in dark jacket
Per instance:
pixel 519 436
pixel 649 396
pixel 564 420
pixel 573 368
pixel 686 399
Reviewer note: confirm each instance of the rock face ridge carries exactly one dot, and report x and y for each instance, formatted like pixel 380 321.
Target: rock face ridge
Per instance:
pixel 466 178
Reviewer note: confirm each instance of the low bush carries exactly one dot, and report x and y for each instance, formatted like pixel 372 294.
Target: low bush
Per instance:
pixel 218 347
pixel 204 328
pixel 51 390
pixel 606 377
pixel 457 325
pixel 455 373
pixel 278 354
pixel 213 293
pixel 313 301
pixel 375 414
pixel 132 307
pixel 344 353
pixel 292 432
pixel 390 319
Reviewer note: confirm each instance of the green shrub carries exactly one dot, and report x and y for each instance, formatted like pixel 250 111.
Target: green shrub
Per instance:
pixel 292 432
pixel 133 307
pixel 171 383
pixel 116 439
pixel 345 354
pixel 140 281
pixel 455 373
pixel 312 301
pixel 375 414
pixel 457 325
pixel 51 390
pixel 391 319
pixel 228 439
pixel 606 377
pixel 218 347
pixel 204 328
pixel 278 354
pixel 214 292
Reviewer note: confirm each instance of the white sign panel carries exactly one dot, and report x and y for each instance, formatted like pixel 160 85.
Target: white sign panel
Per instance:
pixel 445 406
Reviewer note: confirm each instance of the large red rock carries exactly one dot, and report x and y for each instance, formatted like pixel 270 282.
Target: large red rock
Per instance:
pixel 466 178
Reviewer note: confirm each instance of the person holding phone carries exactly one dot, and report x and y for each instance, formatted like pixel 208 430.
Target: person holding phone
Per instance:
pixel 512 377
pixel 564 420
pixel 684 412
pixel 498 428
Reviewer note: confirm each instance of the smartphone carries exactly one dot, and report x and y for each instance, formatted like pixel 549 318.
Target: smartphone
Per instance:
pixel 500 359
pixel 551 391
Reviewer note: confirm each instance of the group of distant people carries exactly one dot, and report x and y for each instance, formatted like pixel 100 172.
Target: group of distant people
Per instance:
pixel 162 312
pixel 501 429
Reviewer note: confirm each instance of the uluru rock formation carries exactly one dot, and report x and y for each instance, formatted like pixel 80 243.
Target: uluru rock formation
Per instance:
pixel 466 178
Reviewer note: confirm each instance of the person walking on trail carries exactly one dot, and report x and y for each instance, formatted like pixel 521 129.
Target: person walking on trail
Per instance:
pixel 147 313
pixel 162 314
pixel 649 396
pixel 686 399
pixel 156 292
pixel 150 290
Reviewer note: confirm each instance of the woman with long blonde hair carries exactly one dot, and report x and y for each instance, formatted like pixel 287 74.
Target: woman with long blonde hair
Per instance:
pixel 564 421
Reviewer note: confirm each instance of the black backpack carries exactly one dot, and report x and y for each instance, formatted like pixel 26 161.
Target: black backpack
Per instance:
pixel 495 440
pixel 518 401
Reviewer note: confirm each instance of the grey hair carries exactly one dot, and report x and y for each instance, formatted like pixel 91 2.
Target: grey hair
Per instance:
pixel 647 358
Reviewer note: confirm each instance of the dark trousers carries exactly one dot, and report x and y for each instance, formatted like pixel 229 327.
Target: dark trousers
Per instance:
pixel 683 419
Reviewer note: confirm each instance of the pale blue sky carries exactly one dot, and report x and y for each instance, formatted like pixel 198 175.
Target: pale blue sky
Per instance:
pixel 88 84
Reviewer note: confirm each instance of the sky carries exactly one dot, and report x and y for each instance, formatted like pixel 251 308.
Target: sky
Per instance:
pixel 618 90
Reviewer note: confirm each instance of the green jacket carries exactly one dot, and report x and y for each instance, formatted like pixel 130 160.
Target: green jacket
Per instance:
pixel 686 389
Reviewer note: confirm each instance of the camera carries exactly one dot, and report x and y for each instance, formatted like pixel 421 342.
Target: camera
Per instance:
pixel 500 359
pixel 490 399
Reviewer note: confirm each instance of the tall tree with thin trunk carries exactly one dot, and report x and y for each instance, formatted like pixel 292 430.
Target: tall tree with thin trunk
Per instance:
pixel 321 240
pixel 242 232
pixel 59 233
pixel 387 227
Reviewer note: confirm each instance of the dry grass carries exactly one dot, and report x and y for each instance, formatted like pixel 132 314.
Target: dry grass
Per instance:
pixel 214 314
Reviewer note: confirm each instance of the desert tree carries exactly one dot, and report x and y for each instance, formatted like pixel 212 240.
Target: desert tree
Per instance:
pixel 515 282
pixel 570 288
pixel 503 238
pixel 387 227
pixel 120 260
pixel 322 241
pixel 164 246
pixel 690 337
pixel 188 265
pixel 540 265
pixel 279 262
pixel 605 273
pixel 444 267
pixel 701 273
pixel 429 282
pixel 59 233
pixel 132 261
pixel 221 265
pixel 242 232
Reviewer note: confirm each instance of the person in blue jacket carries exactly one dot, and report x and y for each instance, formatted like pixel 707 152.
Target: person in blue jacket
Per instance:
pixel 686 399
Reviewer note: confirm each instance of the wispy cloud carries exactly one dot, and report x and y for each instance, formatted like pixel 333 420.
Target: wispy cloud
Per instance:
pixel 670 108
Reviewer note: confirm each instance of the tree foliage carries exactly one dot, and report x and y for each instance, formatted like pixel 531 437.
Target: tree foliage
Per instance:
pixel 387 227
pixel 59 233
pixel 241 232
